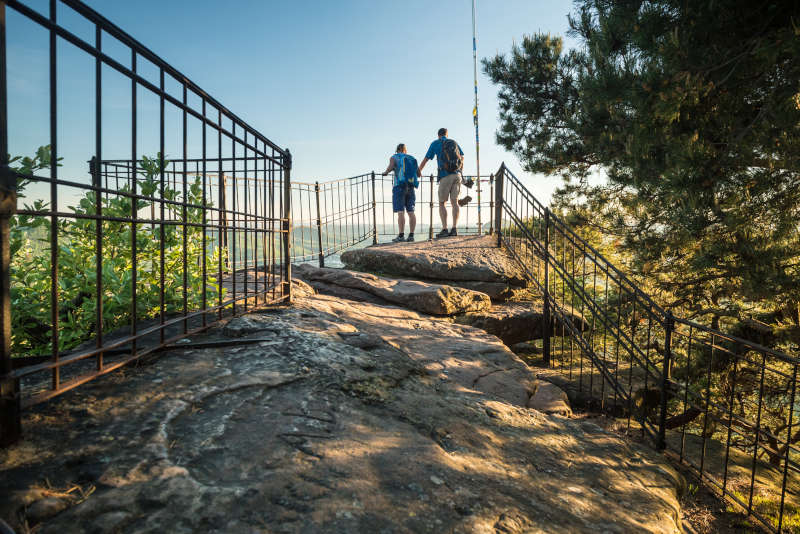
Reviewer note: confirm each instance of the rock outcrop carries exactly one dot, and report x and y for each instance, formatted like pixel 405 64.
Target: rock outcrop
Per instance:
pixel 472 262
pixel 435 299
pixel 331 416
pixel 514 322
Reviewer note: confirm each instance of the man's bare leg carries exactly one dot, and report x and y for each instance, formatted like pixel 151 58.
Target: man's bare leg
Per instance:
pixel 454 204
pixel 412 222
pixel 401 222
pixel 443 214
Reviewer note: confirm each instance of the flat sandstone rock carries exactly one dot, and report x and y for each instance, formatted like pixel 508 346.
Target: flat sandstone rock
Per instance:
pixel 467 258
pixel 344 418
pixel 435 299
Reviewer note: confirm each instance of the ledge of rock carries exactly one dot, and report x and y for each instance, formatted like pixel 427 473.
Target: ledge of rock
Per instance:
pixel 474 262
pixel 435 299
pixel 514 322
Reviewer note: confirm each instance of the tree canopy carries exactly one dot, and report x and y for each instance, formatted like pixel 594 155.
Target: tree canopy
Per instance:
pixel 691 111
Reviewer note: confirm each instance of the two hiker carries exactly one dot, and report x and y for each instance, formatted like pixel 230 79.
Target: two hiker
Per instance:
pixel 450 161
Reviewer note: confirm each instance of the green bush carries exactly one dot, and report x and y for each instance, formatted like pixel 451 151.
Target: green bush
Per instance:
pixel 31 281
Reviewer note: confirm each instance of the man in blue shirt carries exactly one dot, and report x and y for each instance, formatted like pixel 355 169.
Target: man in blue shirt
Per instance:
pixel 403 195
pixel 449 183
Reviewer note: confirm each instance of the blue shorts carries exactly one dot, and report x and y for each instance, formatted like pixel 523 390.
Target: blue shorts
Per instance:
pixel 403 198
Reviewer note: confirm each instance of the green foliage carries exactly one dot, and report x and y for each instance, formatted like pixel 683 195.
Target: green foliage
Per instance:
pixel 691 111
pixel 31 282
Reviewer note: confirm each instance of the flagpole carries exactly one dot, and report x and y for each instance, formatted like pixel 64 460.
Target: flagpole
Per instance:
pixel 475 118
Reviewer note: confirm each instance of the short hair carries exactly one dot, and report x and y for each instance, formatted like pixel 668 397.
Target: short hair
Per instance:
pixel 400 147
pixel 442 132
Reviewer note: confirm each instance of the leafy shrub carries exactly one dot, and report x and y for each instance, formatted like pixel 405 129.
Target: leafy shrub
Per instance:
pixel 77 275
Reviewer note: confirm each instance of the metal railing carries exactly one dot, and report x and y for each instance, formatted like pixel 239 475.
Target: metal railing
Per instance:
pixel 155 246
pixel 332 216
pixel 725 407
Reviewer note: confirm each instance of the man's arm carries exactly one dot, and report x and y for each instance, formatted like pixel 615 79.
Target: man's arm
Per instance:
pixel 421 165
pixel 390 167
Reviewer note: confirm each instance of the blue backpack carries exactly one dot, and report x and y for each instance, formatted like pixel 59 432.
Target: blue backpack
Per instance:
pixel 407 170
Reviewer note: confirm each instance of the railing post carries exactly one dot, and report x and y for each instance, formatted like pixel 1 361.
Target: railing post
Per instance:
pixel 287 226
pixel 430 226
pixel 10 426
pixel 498 203
pixel 374 213
pixel 491 204
pixel 546 315
pixel 319 227
pixel 666 371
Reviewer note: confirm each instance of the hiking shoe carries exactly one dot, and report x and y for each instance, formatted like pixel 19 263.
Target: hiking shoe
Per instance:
pixel 453 233
pixel 398 239
pixel 410 238
pixel 464 201
pixel 443 233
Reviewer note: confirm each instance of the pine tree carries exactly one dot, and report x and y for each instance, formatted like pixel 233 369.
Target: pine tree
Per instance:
pixel 691 110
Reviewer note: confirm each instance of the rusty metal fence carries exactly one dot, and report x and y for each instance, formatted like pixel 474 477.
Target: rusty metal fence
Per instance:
pixel 104 263
pixel 724 407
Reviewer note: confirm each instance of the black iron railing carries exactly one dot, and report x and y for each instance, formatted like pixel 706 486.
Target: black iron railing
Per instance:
pixel 332 216
pixel 725 407
pixel 106 266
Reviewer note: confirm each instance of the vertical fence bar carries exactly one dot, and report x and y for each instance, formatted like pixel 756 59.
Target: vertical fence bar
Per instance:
pixel 786 459
pixel 498 203
pixel 134 208
pixel 319 227
pixel 287 226
pixel 374 213
pixel 491 203
pixel 10 427
pixel 430 220
pixel 669 326
pixel 546 316
pixel 98 197
pixel 56 373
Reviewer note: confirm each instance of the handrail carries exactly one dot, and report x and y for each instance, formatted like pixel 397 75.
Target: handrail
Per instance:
pixel 686 385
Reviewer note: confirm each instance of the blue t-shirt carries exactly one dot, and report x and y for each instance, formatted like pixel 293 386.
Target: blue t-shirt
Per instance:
pixel 436 150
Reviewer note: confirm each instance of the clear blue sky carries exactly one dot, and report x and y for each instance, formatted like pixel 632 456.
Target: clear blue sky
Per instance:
pixel 339 83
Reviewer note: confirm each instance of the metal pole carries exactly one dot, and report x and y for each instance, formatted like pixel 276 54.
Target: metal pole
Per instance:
pixel 491 203
pixel 498 203
pixel 10 426
pixel 319 227
pixel 475 117
pixel 430 226
pixel 669 326
pixel 546 317
pixel 374 213
pixel 287 226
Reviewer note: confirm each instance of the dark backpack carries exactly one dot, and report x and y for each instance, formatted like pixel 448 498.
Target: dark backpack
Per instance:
pixel 452 160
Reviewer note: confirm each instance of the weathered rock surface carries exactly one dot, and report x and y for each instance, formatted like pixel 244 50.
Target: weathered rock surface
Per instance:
pixel 513 322
pixel 435 299
pixel 349 418
pixel 453 259
pixel 550 399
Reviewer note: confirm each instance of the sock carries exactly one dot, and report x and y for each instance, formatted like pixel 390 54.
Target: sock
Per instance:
pixel 400 234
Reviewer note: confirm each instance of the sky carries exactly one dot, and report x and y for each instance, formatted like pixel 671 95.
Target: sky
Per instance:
pixel 339 83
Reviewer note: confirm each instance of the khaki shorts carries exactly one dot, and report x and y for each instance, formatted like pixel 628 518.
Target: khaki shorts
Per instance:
pixel 449 186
